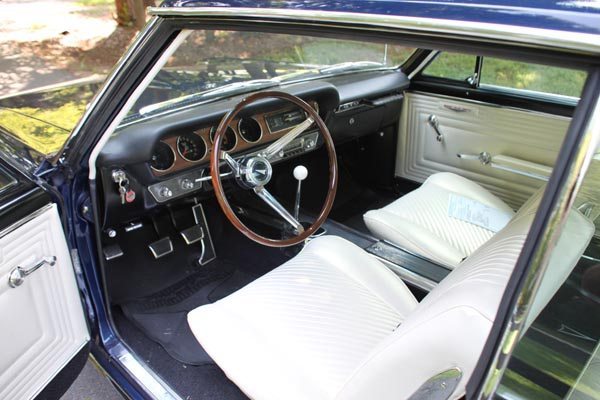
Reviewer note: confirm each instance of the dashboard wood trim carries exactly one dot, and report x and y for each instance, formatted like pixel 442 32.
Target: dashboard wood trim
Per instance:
pixel 242 145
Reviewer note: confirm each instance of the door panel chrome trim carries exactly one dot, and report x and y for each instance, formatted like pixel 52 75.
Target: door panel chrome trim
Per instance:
pixel 580 43
pixel 26 219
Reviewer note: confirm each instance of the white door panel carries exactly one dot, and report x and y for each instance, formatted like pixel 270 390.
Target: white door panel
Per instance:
pixel 519 139
pixel 43 325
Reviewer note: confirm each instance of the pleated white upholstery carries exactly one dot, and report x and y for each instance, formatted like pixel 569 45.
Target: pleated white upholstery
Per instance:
pixel 334 323
pixel 419 221
pixel 306 324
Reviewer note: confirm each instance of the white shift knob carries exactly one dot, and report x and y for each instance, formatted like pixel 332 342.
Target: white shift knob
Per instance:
pixel 300 172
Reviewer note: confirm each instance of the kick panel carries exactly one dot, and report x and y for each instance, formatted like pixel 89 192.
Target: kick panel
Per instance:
pixel 508 151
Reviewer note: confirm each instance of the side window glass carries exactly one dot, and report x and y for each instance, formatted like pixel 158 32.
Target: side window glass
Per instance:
pixel 531 77
pixel 559 354
pixel 452 66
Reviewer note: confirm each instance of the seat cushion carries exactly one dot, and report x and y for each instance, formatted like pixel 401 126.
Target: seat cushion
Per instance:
pixel 300 331
pixel 419 221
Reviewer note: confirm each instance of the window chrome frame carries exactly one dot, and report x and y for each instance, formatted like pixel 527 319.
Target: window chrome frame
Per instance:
pixel 574 42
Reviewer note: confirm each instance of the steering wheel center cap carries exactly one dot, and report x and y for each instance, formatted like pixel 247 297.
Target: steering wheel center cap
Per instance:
pixel 258 171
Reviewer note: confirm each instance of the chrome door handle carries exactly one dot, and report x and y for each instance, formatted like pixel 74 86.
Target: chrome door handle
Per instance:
pixel 18 274
pixel 484 157
pixel 435 124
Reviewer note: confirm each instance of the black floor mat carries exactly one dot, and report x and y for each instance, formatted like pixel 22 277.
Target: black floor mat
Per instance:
pixel 163 315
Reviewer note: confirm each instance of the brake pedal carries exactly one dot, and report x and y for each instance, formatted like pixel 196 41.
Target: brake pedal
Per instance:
pixel 161 247
pixel 193 234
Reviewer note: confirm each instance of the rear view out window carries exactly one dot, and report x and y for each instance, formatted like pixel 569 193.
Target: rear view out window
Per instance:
pixel 532 77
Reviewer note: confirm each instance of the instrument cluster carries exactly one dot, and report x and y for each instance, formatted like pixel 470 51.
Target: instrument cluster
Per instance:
pixel 178 152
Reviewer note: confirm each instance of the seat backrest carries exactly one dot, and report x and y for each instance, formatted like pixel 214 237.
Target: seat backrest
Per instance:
pixel 449 328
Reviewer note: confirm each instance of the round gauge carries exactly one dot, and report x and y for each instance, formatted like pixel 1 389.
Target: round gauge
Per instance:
pixel 163 157
pixel 191 147
pixel 249 130
pixel 229 139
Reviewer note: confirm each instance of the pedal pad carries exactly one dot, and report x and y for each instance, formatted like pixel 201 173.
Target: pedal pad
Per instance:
pixel 193 234
pixel 111 252
pixel 161 247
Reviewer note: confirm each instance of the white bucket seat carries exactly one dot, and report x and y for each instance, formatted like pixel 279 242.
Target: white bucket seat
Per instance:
pixel 419 221
pixel 335 323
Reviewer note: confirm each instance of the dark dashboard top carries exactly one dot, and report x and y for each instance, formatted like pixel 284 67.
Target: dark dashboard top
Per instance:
pixel 134 143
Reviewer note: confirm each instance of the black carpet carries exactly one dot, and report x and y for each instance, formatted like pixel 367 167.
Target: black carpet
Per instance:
pixel 351 212
pixel 202 382
pixel 163 315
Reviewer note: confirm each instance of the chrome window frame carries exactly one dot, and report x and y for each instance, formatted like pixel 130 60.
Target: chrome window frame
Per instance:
pixel 578 43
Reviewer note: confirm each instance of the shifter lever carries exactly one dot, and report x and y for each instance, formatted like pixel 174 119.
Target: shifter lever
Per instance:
pixel 300 173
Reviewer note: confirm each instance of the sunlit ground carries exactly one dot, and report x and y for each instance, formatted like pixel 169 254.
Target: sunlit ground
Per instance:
pixel 50 41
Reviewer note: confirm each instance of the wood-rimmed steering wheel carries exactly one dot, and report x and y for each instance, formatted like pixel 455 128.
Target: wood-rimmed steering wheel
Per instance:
pixel 254 172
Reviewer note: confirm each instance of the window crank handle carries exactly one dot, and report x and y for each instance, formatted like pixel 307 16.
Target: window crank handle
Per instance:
pixel 434 122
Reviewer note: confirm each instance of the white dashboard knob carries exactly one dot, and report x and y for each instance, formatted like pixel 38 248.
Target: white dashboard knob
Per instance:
pixel 300 172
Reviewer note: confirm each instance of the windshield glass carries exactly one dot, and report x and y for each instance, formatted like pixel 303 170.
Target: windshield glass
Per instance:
pixel 212 64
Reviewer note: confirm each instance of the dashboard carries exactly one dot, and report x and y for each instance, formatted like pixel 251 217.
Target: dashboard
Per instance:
pixel 165 157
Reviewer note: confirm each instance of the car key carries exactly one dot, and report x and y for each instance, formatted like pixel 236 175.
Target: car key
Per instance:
pixel 123 189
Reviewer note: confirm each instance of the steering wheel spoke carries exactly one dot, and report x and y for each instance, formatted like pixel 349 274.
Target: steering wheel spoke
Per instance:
pixel 235 166
pixel 279 209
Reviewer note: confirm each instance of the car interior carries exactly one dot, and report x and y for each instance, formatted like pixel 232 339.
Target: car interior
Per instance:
pixel 310 217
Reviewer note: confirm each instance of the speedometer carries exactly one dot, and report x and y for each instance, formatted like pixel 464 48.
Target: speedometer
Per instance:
pixel 191 147
pixel 163 157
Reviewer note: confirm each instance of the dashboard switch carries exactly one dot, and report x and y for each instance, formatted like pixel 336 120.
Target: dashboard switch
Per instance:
pixel 187 184
pixel 165 192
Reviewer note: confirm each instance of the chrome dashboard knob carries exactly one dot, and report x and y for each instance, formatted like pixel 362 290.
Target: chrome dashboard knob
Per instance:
pixel 187 184
pixel 165 192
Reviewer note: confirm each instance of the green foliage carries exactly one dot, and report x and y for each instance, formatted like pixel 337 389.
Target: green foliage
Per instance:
pixel 553 363
pixel 452 66
pixel 541 78
pixel 510 74
pixel 44 120
pixel 517 386
pixel 41 136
